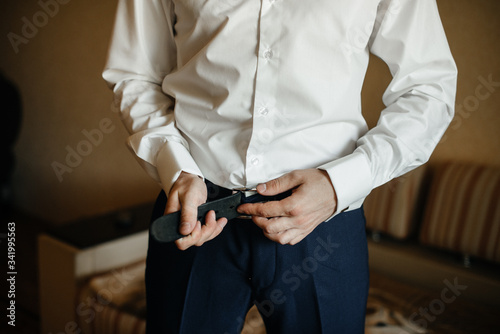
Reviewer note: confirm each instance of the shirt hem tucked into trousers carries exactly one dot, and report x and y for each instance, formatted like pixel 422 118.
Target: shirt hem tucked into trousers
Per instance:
pixel 241 92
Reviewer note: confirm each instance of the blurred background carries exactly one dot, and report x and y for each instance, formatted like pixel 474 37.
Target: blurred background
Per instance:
pixel 58 74
pixel 54 56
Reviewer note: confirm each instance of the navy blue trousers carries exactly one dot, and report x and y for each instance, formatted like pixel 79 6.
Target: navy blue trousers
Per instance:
pixel 319 285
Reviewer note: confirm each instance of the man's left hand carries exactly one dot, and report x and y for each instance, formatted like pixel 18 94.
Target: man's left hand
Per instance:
pixel 290 220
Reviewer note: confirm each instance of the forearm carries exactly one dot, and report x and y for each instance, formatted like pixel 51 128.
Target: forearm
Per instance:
pixel 419 101
pixel 141 54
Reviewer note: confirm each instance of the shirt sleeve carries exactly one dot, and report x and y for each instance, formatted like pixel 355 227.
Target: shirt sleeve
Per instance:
pixel 141 54
pixel 409 37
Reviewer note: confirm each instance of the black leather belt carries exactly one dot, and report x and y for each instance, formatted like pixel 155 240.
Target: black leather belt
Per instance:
pixel 225 204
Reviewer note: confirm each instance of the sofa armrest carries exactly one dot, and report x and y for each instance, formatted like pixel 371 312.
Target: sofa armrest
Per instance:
pixel 63 267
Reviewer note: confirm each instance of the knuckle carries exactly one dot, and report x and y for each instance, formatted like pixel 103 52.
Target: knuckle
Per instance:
pixel 282 240
pixel 275 183
pixel 301 221
pixel 262 212
pixel 295 211
pixel 296 175
pixel 269 230
pixel 295 241
pixel 292 208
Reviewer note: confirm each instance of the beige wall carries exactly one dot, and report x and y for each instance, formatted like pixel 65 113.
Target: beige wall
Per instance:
pixel 58 72
pixel 473 30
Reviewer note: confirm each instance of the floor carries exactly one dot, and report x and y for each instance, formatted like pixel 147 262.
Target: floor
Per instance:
pixel 26 286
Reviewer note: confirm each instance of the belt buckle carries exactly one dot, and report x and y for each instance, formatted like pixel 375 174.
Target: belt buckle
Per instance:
pixel 247 192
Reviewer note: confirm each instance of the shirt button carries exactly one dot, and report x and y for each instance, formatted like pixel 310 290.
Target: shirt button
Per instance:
pixel 263 111
pixel 255 161
pixel 268 54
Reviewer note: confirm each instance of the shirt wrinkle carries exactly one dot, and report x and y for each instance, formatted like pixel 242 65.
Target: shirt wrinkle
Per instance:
pixel 261 88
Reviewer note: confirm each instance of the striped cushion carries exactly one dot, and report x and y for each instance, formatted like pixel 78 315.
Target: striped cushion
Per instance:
pixel 463 211
pixel 114 302
pixel 389 209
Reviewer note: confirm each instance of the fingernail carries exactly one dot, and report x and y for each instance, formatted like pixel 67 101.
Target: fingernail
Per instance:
pixel 261 188
pixel 185 225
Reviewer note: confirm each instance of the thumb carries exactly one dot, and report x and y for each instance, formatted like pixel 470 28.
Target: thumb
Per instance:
pixel 189 211
pixel 189 217
pixel 279 185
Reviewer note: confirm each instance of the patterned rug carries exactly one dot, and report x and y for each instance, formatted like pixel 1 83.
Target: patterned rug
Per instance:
pixel 395 307
pixel 117 300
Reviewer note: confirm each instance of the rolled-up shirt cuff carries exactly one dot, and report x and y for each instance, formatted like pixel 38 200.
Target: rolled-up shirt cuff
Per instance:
pixel 352 180
pixel 172 159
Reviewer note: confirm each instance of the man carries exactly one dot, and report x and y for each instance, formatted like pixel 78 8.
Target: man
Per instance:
pixel 221 95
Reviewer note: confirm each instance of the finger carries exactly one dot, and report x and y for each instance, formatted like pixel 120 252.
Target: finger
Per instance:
pixel 210 229
pixel 203 233
pixel 274 225
pixel 285 208
pixel 191 239
pixel 189 212
pixel 189 216
pixel 173 204
pixel 281 184
pixel 297 239
pixel 221 223
pixel 213 226
pixel 285 237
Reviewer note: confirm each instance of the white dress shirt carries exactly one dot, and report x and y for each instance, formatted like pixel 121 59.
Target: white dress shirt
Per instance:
pixel 243 91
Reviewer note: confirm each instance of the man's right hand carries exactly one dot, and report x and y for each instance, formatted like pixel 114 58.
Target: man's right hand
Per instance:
pixel 187 193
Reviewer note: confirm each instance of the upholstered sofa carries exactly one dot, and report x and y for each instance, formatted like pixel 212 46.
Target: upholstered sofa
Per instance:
pixel 451 211
pixel 434 243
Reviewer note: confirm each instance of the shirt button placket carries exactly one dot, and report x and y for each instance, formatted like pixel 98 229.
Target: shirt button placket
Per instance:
pixel 255 161
pixel 263 111
pixel 268 54
pixel 265 87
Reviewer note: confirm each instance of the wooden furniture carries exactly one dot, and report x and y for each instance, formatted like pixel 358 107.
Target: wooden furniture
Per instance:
pixel 70 254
